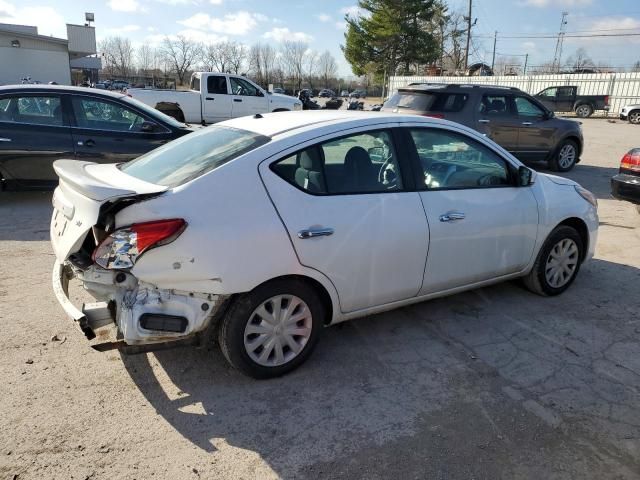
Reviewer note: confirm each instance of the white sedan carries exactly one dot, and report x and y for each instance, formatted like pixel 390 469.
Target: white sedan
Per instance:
pixel 261 230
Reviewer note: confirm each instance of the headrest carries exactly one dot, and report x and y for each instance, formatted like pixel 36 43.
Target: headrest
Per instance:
pixel 357 156
pixel 310 159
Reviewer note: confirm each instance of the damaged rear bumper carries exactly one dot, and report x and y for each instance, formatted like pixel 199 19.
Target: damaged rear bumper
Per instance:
pixel 146 317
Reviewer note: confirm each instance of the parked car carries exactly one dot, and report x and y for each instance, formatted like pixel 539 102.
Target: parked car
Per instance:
pixel 566 99
pixel 119 85
pixel 326 93
pixel 358 94
pixel 626 184
pixel 631 113
pixel 41 124
pixel 215 97
pixel 311 219
pixel 344 93
pixel 279 90
pixel 509 116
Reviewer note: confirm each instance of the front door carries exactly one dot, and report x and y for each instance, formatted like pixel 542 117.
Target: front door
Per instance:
pixel 497 120
pixel 345 207
pixel 217 101
pixel 108 132
pixel 33 134
pixel 247 98
pixel 536 135
pixel 482 226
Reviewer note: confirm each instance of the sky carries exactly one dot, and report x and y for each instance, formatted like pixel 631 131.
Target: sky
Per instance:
pixel 321 23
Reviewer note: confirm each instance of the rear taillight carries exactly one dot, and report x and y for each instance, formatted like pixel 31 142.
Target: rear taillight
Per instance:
pixel 606 100
pixel 631 160
pixel 433 115
pixel 121 249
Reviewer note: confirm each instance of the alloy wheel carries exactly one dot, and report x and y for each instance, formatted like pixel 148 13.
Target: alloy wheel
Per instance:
pixel 634 117
pixel 278 330
pixel 567 156
pixel 583 111
pixel 561 263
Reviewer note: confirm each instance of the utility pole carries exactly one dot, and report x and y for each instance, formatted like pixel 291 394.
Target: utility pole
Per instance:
pixel 526 60
pixel 466 54
pixel 495 39
pixel 557 57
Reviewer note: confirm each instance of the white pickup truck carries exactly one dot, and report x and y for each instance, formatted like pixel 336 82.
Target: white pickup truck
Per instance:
pixel 214 97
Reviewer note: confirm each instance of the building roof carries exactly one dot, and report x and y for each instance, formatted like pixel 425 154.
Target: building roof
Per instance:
pixel 26 31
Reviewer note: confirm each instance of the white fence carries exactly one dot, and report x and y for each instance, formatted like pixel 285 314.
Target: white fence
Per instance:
pixel 622 88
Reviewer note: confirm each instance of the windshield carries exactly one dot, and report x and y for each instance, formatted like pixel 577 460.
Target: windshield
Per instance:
pixel 193 155
pixel 153 112
pixel 411 101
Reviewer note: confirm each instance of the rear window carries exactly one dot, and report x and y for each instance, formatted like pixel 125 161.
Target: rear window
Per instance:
pixel 428 101
pixel 193 155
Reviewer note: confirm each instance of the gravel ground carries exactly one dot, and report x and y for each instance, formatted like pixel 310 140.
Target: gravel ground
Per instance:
pixel 493 383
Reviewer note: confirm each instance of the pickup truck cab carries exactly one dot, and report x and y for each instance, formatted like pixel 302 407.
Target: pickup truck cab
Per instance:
pixel 214 97
pixel 566 99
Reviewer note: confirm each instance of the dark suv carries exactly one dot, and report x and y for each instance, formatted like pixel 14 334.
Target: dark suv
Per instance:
pixel 510 117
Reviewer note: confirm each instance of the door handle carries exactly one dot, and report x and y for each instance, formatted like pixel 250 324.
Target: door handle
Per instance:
pixel 527 123
pixel 483 120
pixel 450 217
pixel 237 99
pixel 209 98
pixel 5 139
pixel 319 232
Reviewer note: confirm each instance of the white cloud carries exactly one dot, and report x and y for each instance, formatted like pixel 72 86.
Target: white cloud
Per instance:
pixel 126 6
pixel 555 3
pixel 323 17
pixel 215 2
pixel 231 24
pixel 282 34
pixel 352 11
pixel 47 19
pixel 341 25
pixel 617 23
pixel 529 46
pixel 178 2
pixel 121 30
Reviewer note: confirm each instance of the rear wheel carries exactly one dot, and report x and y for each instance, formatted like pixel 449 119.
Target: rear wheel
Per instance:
pixel 565 157
pixel 557 264
pixel 634 117
pixel 584 110
pixel 273 329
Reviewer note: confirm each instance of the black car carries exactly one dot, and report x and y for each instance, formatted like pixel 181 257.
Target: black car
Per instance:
pixel 626 184
pixel 42 123
pixel 510 117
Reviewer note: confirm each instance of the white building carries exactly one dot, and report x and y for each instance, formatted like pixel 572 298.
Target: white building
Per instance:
pixel 25 53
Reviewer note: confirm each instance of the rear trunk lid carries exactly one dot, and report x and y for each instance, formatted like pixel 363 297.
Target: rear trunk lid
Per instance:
pixel 84 188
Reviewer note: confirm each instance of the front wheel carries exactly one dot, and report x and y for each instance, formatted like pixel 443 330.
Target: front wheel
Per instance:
pixel 557 264
pixel 584 111
pixel 273 329
pixel 566 156
pixel 634 117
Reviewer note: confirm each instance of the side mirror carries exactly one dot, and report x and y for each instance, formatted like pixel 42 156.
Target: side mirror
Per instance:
pixel 549 115
pixel 524 176
pixel 148 127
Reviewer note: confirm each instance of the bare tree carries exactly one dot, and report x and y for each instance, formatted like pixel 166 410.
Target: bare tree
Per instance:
pixel 225 57
pixel 180 54
pixel 262 63
pixel 635 67
pixel 146 57
pixel 453 42
pixel 579 60
pixel 327 67
pixel 293 56
pixel 117 53
pixel 506 65
pixel 310 66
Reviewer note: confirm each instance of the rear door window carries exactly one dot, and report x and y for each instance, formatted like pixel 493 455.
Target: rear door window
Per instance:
pixel 32 109
pixel 495 105
pixel 428 101
pixel 217 84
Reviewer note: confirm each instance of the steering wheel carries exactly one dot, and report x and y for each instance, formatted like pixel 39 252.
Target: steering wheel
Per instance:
pixel 387 174
pixel 489 179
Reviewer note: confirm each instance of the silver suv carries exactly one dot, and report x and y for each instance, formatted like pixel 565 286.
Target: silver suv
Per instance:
pixel 510 117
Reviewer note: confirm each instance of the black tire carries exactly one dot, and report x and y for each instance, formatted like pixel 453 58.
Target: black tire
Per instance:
pixel 584 110
pixel 231 334
pixel 556 163
pixel 536 280
pixel 634 117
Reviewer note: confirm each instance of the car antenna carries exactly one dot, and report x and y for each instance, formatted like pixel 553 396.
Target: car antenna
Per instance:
pixel 257 115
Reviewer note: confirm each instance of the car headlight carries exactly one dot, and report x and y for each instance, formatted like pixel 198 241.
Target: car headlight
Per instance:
pixel 587 195
pixel 297 106
pixel 121 249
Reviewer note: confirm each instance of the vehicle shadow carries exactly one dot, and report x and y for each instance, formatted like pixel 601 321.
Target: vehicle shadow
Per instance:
pixel 593 178
pixel 25 216
pixel 391 377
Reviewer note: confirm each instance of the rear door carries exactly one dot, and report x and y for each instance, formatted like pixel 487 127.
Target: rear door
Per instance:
pixel 107 131
pixel 565 99
pixel 537 132
pixel 496 118
pixel 247 98
pixel 216 99
pixel 34 132
pixel 352 217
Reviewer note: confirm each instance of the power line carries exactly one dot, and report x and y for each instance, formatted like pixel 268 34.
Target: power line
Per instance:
pixel 541 36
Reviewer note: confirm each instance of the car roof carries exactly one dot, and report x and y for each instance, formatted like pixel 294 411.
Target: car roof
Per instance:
pixel 458 87
pixel 57 88
pixel 280 123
